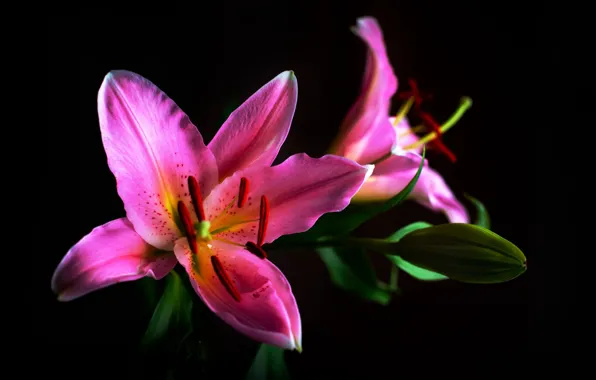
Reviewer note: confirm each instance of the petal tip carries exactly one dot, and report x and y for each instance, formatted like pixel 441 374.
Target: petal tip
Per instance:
pixel 63 297
pixel 298 344
pixel 369 170
pixel 288 78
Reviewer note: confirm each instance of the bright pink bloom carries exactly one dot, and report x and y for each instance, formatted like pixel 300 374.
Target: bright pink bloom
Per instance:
pixel 368 135
pixel 163 169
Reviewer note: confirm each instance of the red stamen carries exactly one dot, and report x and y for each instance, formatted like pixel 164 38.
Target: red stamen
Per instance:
pixel 189 230
pixel 243 191
pixel 263 220
pixel 256 250
pixel 226 281
pixel 428 120
pixel 197 198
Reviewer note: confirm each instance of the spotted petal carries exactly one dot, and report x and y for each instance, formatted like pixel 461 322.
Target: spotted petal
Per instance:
pixel 152 147
pixel 266 311
pixel 299 191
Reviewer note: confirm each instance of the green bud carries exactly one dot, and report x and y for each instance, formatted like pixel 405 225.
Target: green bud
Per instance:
pixel 462 252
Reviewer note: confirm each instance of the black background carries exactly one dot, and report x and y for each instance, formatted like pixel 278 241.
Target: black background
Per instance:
pixel 209 58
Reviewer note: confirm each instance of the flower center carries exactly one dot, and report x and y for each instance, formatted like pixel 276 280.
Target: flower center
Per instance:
pixel 201 233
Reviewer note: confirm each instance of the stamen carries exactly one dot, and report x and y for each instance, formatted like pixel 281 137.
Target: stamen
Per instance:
pixel 225 280
pixel 465 104
pixel 189 230
pixel 243 191
pixel 263 220
pixel 428 120
pixel 197 199
pixel 412 131
pixel 403 110
pixel 256 250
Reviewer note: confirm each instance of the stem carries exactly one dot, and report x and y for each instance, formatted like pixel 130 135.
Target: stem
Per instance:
pixel 393 278
pixel 374 244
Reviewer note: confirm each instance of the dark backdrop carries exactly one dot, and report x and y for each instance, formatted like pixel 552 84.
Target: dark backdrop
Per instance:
pixel 209 58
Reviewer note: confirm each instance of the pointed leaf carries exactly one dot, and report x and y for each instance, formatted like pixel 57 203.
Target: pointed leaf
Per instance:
pixel 269 364
pixel 482 217
pixel 415 271
pixel 171 320
pixel 409 268
pixel 350 269
pixel 397 235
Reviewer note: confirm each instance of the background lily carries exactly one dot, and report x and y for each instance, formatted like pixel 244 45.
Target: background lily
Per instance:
pixel 215 205
pixel 369 135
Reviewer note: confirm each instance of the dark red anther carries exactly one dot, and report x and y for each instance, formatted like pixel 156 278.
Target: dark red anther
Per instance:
pixel 243 191
pixel 189 230
pixel 197 198
pixel 256 250
pixel 263 220
pixel 415 93
pixel 226 281
pixel 428 120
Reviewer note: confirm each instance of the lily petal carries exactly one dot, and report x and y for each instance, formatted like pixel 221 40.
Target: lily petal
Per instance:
pixel 431 191
pixel 109 254
pixel 267 311
pixel 405 135
pixel 152 147
pixel 255 131
pixel 366 133
pixel 299 191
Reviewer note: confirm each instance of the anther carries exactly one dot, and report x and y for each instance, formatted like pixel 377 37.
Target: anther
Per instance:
pixel 243 191
pixel 256 250
pixel 263 220
pixel 415 93
pixel 225 280
pixel 189 230
pixel 197 199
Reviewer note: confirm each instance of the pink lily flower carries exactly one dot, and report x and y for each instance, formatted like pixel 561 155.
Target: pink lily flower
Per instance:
pixel 369 135
pixel 211 208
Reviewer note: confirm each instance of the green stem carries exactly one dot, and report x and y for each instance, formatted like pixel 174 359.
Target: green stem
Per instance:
pixel 393 278
pixel 369 243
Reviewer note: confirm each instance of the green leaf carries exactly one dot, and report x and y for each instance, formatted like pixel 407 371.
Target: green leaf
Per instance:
pixel 415 271
pixel 482 217
pixel 149 289
pixel 411 269
pixel 353 216
pixel 397 235
pixel 269 364
pixel 171 320
pixel 350 269
pixel 462 252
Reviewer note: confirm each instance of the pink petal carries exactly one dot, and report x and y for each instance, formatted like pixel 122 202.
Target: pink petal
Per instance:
pixel 267 311
pixel 109 254
pixel 254 133
pixel 391 176
pixel 405 136
pixel 366 133
pixel 152 147
pixel 299 190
